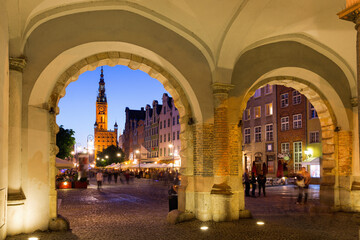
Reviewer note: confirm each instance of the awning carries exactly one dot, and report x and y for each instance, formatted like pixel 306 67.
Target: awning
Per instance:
pixel 60 163
pixel 311 161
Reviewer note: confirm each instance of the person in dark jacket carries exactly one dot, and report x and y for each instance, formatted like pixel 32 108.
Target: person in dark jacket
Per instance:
pixel 261 179
pixel 253 184
pixel 247 182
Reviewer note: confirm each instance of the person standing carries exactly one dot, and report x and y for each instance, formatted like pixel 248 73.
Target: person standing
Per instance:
pixel 116 173
pixel 247 182
pixel 253 184
pixel 303 182
pixel 261 181
pixel 99 179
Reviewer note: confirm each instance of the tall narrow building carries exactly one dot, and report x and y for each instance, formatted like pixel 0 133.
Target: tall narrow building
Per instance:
pixel 103 137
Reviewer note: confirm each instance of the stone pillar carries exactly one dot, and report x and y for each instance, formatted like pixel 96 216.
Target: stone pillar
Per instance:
pixel 16 196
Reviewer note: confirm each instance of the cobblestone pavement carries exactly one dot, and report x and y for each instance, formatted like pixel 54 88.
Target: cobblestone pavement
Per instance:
pixel 138 211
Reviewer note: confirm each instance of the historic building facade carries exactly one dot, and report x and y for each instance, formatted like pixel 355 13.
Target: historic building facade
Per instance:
pixel 260 130
pixel 209 63
pixel 104 138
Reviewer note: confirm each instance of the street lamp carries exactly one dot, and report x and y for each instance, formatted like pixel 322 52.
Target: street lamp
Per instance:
pixel 172 153
pixel 137 152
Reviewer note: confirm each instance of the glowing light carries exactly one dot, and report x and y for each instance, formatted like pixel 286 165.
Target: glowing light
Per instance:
pixel 106 156
pixel 65 183
pixel 91 151
pixel 33 238
pixel 72 153
pixel 204 228
pixel 170 145
pixel 155 162
pixel 98 158
pixel 283 178
pixel 137 151
pixel 92 165
pixel 119 155
pixel 102 159
pixel 260 223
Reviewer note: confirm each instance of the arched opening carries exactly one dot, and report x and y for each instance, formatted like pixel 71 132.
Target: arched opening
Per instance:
pixel 336 154
pixel 71 74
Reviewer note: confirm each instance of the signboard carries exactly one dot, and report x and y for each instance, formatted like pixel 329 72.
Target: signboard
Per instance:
pixel 2 206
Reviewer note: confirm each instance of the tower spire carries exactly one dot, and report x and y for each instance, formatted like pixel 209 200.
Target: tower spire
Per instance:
pixel 101 94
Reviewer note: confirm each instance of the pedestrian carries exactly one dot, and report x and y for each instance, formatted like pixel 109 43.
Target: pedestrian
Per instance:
pixel 99 179
pixel 254 170
pixel 261 179
pixel 127 176
pixel 253 184
pixel 109 176
pixel 116 173
pixel 303 180
pixel 246 180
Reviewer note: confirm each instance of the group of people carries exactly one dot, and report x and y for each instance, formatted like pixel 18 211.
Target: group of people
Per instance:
pixel 258 177
pixel 110 174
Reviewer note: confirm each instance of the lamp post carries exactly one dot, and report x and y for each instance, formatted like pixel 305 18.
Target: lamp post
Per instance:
pixel 172 153
pixel 137 152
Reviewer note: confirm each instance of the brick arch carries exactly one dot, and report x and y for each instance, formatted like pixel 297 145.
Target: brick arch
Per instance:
pixel 134 62
pixel 336 143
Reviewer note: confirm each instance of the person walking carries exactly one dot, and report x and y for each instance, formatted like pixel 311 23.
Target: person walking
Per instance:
pixel 246 180
pixel 99 179
pixel 116 174
pixel 261 180
pixel 253 184
pixel 303 180
pixel 109 176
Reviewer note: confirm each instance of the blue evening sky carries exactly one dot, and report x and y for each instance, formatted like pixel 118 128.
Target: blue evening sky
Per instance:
pixel 124 88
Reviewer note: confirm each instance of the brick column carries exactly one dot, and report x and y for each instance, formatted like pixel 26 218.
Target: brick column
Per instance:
pixel 16 196
pixel 221 129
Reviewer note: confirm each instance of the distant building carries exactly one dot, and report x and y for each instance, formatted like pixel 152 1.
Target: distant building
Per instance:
pixel 291 112
pixel 103 137
pixel 169 131
pixel 260 130
pixel 134 124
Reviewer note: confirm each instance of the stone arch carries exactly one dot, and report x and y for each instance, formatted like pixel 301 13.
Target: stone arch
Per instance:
pixel 133 61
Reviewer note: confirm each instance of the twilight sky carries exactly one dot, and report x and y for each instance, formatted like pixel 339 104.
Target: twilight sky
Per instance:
pixel 124 88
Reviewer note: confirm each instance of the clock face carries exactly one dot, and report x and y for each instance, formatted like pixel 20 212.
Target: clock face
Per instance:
pixel 101 108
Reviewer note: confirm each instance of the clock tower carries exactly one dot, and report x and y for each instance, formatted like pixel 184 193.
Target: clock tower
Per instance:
pixel 103 137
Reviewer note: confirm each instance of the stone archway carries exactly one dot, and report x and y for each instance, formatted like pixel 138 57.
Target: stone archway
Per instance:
pixel 337 144
pixel 134 62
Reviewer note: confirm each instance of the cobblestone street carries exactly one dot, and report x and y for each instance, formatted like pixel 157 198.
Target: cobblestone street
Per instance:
pixel 138 211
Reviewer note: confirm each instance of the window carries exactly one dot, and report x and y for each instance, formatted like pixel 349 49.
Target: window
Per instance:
pixel 247 114
pixel 297 156
pixel 257 131
pixel 268 89
pixel 164 123
pixel 161 138
pixel 284 100
pixel 178 135
pixel 314 137
pixel 247 135
pixel 164 152
pixel 169 122
pixel 257 111
pixel 257 93
pixel 269 147
pixel 269 109
pixel 165 137
pixel 173 136
pixel 297 123
pixel 164 109
pixel 313 113
pixel 269 132
pixel 284 123
pixel 168 137
pixel 173 121
pixel 160 125
pixel 296 97
pixel 177 121
pixel 285 147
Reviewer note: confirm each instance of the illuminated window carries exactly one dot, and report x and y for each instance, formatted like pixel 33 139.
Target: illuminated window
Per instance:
pixel 297 155
pixel 269 109
pixel 247 114
pixel 257 112
pixel 285 147
pixel 313 113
